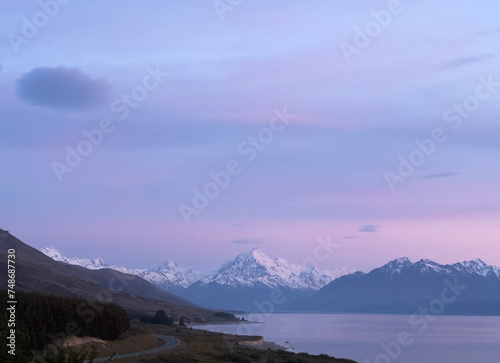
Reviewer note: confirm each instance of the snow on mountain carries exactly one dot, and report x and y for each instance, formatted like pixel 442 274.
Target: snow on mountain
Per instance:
pixel 177 274
pixel 253 269
pixel 168 274
pixel 476 266
pixel 395 266
pixel 94 264
pixel 426 265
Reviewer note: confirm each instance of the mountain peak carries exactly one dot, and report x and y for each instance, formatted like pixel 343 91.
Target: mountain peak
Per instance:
pixel 53 253
pixel 254 268
pixel 166 265
pixel 401 262
pixel 478 261
pixel 478 266
pixel 254 252
pixel 396 266
pixel 94 264
pixel 254 255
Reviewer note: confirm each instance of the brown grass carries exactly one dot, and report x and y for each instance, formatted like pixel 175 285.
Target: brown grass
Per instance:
pixel 195 345
pixel 131 341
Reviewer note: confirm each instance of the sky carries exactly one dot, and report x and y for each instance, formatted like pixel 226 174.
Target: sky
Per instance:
pixel 195 130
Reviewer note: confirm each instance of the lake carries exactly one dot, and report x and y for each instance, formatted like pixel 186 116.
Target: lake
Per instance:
pixel 379 338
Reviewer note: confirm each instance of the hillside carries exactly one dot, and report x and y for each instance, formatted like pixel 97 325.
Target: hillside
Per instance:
pixel 37 272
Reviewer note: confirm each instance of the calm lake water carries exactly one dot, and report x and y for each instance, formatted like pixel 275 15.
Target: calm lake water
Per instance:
pixel 447 339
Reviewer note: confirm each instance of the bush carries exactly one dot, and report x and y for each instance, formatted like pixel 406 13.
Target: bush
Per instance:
pixel 254 356
pixel 233 357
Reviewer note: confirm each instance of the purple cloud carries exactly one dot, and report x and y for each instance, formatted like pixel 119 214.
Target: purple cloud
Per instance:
pixel 62 88
pixel 368 228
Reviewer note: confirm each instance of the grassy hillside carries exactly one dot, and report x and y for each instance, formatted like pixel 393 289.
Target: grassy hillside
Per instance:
pixel 36 272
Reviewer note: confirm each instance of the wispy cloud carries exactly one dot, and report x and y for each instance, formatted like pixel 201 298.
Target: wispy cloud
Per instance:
pixel 459 62
pixel 488 32
pixel 368 228
pixel 62 88
pixel 348 237
pixel 440 175
pixel 248 241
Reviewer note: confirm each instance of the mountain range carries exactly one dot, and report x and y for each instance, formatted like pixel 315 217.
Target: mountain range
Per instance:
pixel 251 278
pixel 168 276
pixel 250 269
pixel 402 287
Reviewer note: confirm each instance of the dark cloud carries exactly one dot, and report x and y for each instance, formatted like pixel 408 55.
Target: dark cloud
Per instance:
pixel 467 60
pixel 62 88
pixel 440 175
pixel 248 241
pixel 368 228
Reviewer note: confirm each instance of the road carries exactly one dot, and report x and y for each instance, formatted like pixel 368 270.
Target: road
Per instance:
pixel 170 342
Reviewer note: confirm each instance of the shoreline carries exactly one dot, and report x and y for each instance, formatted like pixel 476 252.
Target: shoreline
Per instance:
pixel 259 344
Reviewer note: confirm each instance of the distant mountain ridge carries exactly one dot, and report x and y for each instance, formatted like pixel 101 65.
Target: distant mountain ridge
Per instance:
pixel 168 275
pixel 403 287
pixel 472 267
pixel 248 269
pixel 399 286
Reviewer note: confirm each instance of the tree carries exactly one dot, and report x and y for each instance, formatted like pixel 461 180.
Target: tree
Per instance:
pixel 161 318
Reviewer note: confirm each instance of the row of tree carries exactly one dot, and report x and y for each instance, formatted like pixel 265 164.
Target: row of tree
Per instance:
pixel 42 319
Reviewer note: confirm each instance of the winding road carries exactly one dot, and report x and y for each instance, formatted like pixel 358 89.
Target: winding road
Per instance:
pixel 170 342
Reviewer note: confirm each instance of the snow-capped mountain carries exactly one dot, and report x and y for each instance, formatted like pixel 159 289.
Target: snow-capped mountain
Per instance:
pixel 251 278
pixel 95 264
pixel 170 274
pixel 403 287
pixel 472 267
pixel 477 266
pixel 166 276
pixel 248 269
pixel 395 266
pixel 255 269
